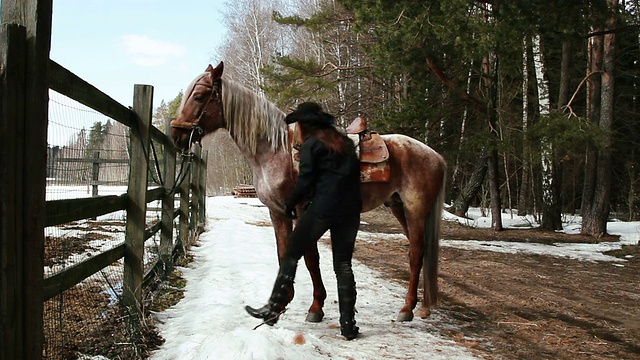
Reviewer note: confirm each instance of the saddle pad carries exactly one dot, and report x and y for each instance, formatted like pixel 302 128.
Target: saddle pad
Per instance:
pixel 378 172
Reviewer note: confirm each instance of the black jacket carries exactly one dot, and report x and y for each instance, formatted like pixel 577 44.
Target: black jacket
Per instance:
pixel 330 180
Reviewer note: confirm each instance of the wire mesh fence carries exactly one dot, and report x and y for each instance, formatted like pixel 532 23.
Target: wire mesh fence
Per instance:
pixel 88 155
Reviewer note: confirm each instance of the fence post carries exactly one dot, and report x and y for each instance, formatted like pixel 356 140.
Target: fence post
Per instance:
pixel 12 236
pixel 95 173
pixel 166 234
pixel 35 16
pixel 203 187
pixel 137 204
pixel 195 186
pixel 183 227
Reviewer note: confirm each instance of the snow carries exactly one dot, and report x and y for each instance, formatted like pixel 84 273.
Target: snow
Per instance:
pixel 235 265
pixel 629 235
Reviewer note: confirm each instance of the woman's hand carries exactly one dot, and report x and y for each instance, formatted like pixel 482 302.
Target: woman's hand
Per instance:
pixel 290 212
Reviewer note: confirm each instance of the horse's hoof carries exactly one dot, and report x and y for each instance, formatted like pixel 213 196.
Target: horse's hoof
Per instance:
pixel 315 317
pixel 423 312
pixel 405 316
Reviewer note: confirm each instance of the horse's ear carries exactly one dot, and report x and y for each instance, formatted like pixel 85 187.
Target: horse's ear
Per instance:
pixel 209 68
pixel 217 72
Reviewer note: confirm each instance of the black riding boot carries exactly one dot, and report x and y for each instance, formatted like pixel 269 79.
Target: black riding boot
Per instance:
pixel 280 295
pixel 347 302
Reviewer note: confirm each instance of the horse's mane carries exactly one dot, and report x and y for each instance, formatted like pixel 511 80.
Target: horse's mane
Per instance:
pixel 250 116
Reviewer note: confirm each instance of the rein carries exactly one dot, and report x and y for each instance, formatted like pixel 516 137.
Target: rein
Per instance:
pixel 187 156
pixel 195 126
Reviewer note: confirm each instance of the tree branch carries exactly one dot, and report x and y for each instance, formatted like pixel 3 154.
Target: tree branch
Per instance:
pixel 568 106
pixel 449 83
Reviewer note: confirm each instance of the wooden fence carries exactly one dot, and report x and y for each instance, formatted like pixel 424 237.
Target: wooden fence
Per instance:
pixel 27 74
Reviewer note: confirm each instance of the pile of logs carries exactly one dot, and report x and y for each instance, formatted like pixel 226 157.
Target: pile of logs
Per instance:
pixel 242 190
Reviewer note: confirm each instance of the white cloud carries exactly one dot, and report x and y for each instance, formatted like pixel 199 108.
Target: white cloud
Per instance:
pixel 145 51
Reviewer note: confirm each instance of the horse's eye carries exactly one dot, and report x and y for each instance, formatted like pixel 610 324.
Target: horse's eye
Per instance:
pixel 198 97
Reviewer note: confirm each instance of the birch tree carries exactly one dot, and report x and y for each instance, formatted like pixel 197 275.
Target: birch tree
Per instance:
pixel 252 40
pixel 546 145
pixel 525 182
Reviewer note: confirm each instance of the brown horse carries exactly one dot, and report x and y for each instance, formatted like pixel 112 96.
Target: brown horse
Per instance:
pixel 414 192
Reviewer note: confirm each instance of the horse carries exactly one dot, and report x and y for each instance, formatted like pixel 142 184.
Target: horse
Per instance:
pixel 414 191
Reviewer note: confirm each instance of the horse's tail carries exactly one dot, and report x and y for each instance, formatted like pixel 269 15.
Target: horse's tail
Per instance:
pixel 432 248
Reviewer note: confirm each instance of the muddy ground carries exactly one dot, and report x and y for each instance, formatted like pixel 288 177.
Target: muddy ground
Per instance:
pixel 514 306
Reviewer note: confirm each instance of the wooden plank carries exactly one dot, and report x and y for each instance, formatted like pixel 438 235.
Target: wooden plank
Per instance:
pixel 137 203
pixel 161 138
pixel 155 194
pixel 152 230
pixel 69 84
pixel 12 138
pixel 67 210
pixel 92 160
pixel 74 274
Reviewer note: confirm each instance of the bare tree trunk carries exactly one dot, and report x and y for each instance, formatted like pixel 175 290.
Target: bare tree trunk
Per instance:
pixel 472 188
pixel 525 183
pixel 461 140
pixel 489 68
pixel 596 223
pixel 594 93
pixel 549 202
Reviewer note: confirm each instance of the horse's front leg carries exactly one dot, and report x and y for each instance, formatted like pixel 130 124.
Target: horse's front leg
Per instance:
pixel 282 227
pixel 312 260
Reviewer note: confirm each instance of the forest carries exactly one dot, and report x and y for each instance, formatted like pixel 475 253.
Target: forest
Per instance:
pixel 535 106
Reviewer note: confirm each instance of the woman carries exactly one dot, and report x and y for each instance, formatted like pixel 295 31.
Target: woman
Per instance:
pixel 329 176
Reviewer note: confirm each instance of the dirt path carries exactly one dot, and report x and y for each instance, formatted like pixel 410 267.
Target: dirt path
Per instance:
pixel 525 306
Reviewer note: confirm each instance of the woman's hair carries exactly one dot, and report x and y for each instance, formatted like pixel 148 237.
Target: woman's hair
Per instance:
pixel 329 135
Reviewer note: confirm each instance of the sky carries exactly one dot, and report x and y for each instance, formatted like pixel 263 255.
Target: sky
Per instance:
pixel 235 265
pixel 114 44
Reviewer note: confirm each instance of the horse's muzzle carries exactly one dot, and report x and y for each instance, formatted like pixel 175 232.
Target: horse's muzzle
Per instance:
pixel 180 137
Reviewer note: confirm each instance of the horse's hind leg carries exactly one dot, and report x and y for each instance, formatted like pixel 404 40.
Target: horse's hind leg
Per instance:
pixel 395 205
pixel 414 230
pixel 312 260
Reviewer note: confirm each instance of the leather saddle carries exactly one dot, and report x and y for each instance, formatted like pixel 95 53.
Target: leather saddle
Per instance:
pixel 370 147
pixel 372 151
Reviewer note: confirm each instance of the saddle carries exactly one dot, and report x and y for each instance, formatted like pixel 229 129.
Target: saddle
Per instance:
pixel 371 150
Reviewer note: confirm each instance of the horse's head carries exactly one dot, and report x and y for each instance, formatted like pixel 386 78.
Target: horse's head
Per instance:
pixel 201 110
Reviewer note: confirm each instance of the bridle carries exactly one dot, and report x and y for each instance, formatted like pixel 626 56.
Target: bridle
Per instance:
pixel 187 155
pixel 195 125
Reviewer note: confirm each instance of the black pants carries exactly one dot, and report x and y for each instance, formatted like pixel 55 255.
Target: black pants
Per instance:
pixel 309 229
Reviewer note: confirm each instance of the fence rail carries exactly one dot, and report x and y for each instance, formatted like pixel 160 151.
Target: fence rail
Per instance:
pixel 26 74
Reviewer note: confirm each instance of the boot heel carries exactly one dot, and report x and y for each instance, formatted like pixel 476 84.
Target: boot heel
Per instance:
pixel 349 330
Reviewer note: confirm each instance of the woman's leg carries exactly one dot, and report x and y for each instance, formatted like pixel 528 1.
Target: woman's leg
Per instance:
pixel 307 229
pixel 343 236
